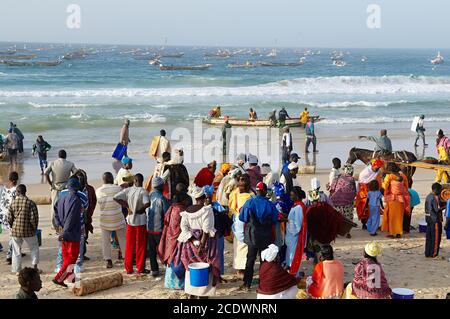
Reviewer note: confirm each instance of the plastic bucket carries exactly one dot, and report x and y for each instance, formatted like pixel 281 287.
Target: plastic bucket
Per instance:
pixel 119 152
pixel 422 226
pixel 199 274
pixel 402 293
pixel 39 236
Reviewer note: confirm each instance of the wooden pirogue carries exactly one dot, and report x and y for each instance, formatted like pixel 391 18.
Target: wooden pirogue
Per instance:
pixel 424 165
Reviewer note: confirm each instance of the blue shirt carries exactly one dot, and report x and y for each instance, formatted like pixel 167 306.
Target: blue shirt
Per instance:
pixel 155 213
pixel 447 210
pixel 415 199
pixel 84 201
pixel 261 208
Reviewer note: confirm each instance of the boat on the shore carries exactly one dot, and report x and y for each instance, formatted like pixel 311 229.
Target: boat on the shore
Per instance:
pixel 185 67
pixel 48 63
pixel 18 63
pixel 8 52
pixel 75 55
pixel 171 55
pixel 293 122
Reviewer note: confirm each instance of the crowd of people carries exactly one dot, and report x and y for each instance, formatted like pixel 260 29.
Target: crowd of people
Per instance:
pixel 176 221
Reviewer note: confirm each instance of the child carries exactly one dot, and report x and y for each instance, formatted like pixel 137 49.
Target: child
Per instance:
pixel 414 201
pixel 335 171
pixel 374 204
pixel 433 217
pixel 29 281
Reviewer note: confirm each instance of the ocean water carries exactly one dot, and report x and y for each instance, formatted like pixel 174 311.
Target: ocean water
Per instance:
pixel 80 104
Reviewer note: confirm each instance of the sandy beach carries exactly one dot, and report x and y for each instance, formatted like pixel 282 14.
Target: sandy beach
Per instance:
pixel 403 259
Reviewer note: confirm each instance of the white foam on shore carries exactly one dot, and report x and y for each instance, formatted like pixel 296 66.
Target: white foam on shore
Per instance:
pixel 349 85
pixel 380 119
pixel 58 105
pixel 145 117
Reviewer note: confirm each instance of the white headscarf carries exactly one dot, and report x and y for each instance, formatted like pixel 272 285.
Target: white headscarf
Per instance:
pixel 270 253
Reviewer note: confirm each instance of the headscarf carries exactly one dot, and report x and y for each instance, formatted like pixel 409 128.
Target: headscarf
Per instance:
pixel 126 160
pixel 225 168
pixel 73 184
pixel 197 192
pixel 313 195
pixel 157 181
pixel 252 159
pixel 373 249
pixel 377 163
pixel 270 253
pixel 234 172
pixel 348 169
pixel 208 190
pixel 278 189
pixel 315 183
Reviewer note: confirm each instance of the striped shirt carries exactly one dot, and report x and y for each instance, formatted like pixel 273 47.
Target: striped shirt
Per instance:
pixel 111 216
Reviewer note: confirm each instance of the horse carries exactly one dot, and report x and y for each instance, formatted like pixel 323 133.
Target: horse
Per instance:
pixel 366 156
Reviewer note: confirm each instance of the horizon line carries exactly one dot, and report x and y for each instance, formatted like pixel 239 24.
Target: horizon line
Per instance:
pixel 221 46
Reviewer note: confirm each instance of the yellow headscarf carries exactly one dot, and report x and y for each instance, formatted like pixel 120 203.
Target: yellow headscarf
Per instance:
pixel 225 168
pixel 373 249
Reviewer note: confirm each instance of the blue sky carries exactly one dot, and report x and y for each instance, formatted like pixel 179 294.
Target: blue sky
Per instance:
pixel 267 23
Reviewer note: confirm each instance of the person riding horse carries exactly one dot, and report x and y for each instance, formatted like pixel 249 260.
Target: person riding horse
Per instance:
pixel 383 142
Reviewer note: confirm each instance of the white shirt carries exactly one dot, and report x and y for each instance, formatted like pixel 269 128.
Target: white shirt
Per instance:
pixel 287 139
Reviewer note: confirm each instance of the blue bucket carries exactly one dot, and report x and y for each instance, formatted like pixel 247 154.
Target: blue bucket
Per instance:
pixel 402 293
pixel 119 152
pixel 422 226
pixel 199 274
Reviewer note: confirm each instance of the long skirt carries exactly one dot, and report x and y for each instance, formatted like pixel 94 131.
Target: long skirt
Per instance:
pixel 393 218
pixel 240 251
pixel 221 248
pixel 374 219
pixel 171 280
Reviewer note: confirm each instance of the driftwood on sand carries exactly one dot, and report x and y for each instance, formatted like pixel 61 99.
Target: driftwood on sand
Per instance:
pixel 41 200
pixel 91 285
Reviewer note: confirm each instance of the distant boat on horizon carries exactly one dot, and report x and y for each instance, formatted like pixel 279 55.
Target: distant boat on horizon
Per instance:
pixel 438 59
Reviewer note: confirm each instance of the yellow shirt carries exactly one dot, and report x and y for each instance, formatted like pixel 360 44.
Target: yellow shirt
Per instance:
pixel 304 117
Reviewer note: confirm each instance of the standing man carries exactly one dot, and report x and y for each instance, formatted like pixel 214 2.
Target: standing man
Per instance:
pixel 289 177
pixel 259 215
pixel 383 143
pixel 433 217
pixel 135 200
pixel 67 222
pixel 155 221
pixel 23 219
pixel 111 216
pixel 41 147
pixel 304 117
pixel 282 116
pixel 125 133
pixel 310 135
pixel 7 195
pixel 420 130
pixel 226 137
pixel 60 169
pixel 160 145
pixel 286 147
pixel 12 146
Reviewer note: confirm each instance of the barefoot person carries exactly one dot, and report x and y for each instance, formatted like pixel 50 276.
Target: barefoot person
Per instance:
pixel 7 195
pixel 434 219
pixel 41 147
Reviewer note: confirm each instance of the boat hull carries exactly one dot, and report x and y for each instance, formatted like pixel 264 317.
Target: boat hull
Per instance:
pixel 294 122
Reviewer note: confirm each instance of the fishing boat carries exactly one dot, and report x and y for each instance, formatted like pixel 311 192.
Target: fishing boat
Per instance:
pixel 293 122
pixel 246 65
pixel 18 63
pixel 18 57
pixel 276 64
pixel 272 54
pixel 8 52
pixel 438 59
pixel 154 62
pixel 185 67
pixel 74 55
pixel 171 55
pixel 339 63
pixel 47 63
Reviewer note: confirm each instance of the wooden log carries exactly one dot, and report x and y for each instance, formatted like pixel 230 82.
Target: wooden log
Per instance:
pixel 41 200
pixel 91 285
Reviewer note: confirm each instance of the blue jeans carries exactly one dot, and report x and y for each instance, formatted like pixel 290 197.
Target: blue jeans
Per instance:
pixel 43 161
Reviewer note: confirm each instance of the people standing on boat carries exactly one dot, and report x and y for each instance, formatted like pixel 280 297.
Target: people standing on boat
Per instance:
pixel 443 149
pixel 304 117
pixel 12 145
pixel 286 147
pixel 383 143
pixel 273 118
pixel 226 137
pixel 41 147
pixel 160 145
pixel 310 135
pixel 215 112
pixel 252 116
pixel 282 116
pixel 420 130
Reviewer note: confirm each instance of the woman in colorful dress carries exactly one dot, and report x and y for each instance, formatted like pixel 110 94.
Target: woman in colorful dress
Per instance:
pixel 343 192
pixel 368 174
